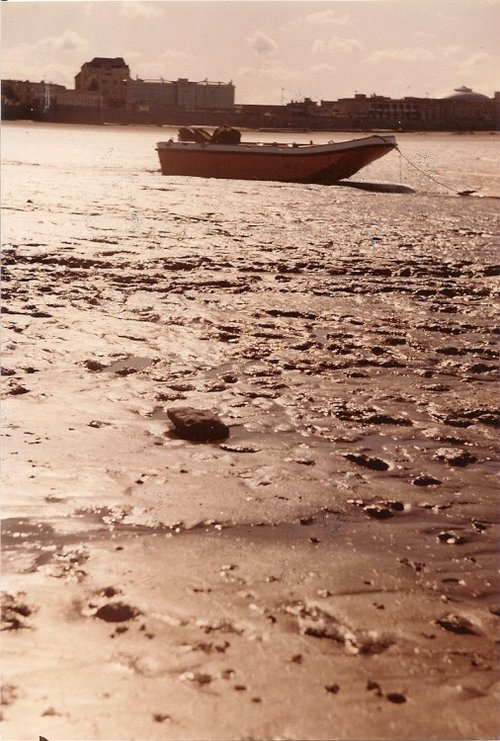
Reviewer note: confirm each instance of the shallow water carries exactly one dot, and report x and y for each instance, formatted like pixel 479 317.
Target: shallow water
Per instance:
pixel 459 161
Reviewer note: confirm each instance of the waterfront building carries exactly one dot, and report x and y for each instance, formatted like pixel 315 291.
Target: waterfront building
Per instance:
pixel 78 99
pixel 150 95
pixel 24 92
pixel 462 110
pixel 108 76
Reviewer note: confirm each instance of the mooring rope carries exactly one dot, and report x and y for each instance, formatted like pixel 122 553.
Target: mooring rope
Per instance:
pixel 426 174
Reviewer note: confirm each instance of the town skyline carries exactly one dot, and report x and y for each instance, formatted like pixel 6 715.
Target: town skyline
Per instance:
pixel 273 52
pixel 136 78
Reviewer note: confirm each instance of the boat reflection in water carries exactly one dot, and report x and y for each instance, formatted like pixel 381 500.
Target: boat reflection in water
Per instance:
pixel 223 155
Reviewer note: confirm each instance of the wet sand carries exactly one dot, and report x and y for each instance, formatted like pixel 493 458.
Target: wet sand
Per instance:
pixel 329 570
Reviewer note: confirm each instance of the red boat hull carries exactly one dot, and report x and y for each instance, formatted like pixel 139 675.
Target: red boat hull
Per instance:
pixel 323 164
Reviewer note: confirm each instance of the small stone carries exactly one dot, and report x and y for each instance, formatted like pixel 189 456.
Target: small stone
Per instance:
pixel 306 520
pixel 424 480
pixel 196 424
pixel 395 505
pixel 116 612
pixel 198 677
pixel 379 513
pixel 94 365
pixel 324 593
pixel 454 458
pixel 15 389
pixel 376 464
pixel 125 371
pixel 15 611
pixel 451 538
pixel 481 368
pixel 233 448
pixel 50 711
pixel 396 697
pixel 457 624
pixel 374 686
pixel 160 717
pixel 462 459
pixel 332 688
pixel 479 526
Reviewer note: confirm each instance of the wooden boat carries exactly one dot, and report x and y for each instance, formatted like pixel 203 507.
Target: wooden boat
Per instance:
pixel 323 164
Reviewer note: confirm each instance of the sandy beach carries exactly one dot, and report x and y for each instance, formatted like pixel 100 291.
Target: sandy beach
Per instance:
pixel 329 570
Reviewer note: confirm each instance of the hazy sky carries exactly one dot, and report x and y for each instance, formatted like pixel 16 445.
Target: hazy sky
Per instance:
pixel 273 51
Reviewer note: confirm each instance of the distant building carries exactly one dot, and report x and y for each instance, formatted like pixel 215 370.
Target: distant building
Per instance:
pixel 19 92
pixel 182 93
pixel 145 95
pixel 306 107
pixel 78 99
pixel 108 76
pixel 259 109
pixel 462 110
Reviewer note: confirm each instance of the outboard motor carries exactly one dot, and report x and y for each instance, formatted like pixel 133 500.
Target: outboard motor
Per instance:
pixel 193 134
pixel 226 135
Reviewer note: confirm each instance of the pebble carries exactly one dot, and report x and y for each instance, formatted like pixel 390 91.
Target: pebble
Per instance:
pixel 396 697
pixel 424 480
pixel 376 464
pixel 380 513
pixel 457 624
pixel 451 538
pixel 116 612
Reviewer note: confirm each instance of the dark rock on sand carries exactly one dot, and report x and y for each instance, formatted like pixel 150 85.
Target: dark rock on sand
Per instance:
pixel 199 677
pixel 396 697
pixel 93 365
pixel 233 448
pixel 454 457
pixel 116 612
pixel 15 389
pixel 451 538
pixel 15 610
pixel 197 424
pixel 457 624
pixel 424 480
pixel 376 464
pixel 161 717
pixel 374 686
pixel 395 505
pixel 379 513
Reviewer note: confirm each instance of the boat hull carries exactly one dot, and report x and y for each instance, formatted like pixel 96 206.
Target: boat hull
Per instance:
pixel 323 164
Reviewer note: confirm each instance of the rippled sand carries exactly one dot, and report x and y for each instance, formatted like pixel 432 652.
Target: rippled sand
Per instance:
pixel 329 570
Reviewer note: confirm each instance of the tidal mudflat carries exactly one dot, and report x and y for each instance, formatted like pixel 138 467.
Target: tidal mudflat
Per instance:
pixel 328 569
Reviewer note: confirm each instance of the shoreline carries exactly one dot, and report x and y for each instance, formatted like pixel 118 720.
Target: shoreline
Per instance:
pixel 147 127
